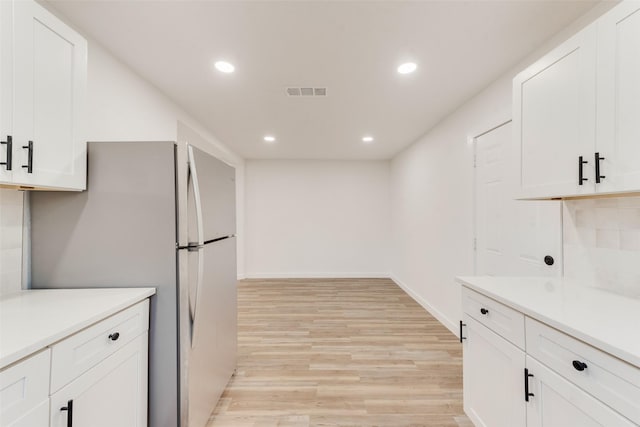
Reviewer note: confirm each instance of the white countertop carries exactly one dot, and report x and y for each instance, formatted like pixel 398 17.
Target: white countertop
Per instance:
pixel 598 317
pixel 34 319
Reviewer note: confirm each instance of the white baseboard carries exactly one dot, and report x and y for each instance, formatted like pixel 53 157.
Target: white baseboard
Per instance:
pixel 452 326
pixel 316 275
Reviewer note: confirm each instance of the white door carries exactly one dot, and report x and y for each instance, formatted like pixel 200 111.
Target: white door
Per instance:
pixel 558 403
pixel 619 98
pixel 6 89
pixel 554 119
pixel 112 393
pixel 512 237
pixel 49 71
pixel 492 373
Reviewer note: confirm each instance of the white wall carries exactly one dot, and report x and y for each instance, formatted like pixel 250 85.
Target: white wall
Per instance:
pixel 317 218
pixel 432 205
pixel 432 194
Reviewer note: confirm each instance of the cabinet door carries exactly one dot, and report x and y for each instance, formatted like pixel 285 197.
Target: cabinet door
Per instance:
pixel 112 393
pixel 37 417
pixel 6 88
pixel 24 392
pixel 49 70
pixel 554 119
pixel 558 403
pixel 619 98
pixel 493 378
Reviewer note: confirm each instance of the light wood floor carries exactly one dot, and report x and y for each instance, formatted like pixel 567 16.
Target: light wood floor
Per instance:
pixel 348 352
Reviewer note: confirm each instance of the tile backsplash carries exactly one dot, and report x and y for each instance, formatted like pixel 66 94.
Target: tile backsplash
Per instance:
pixel 602 242
pixel 11 216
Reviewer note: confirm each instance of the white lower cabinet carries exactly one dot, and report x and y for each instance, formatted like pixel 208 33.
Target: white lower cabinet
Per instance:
pixel 24 392
pixel 554 381
pixel 112 393
pixel 492 389
pixel 555 402
pixel 96 377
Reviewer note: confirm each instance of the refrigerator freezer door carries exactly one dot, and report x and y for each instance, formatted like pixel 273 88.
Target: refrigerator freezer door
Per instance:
pixel 215 181
pixel 212 353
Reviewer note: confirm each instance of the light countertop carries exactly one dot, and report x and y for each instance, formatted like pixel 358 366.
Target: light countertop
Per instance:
pixel 31 320
pixel 608 321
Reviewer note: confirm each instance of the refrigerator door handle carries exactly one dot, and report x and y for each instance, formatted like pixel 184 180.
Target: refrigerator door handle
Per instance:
pixel 196 195
pixel 193 298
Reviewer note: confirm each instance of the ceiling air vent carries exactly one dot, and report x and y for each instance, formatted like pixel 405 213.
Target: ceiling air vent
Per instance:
pixel 307 91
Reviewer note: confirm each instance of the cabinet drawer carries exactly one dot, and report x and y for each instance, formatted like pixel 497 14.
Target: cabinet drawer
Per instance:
pixel 501 319
pixel 80 352
pixel 605 377
pixel 23 387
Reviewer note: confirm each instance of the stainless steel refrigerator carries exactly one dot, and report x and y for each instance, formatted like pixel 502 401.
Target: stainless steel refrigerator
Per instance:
pixel 154 214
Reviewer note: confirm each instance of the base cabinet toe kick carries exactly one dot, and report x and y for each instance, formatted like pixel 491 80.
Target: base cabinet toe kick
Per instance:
pixel 519 371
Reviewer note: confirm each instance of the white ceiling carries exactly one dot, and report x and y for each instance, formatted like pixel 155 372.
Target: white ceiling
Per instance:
pixel 352 48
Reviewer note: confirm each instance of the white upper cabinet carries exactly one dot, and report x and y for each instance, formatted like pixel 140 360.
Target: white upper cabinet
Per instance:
pixel 44 71
pixel 619 98
pixel 6 108
pixel 575 112
pixel 554 118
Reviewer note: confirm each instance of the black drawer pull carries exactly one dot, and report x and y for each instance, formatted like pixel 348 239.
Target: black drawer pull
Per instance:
pixel 580 366
pixel 69 409
pixel 114 336
pixel 484 311
pixel 9 144
pixel 461 325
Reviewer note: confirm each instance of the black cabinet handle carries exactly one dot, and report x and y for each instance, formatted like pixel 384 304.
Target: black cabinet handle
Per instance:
pixel 9 144
pixel 69 409
pixel 597 161
pixel 114 336
pixel 527 395
pixel 29 165
pixel 580 163
pixel 580 366
pixel 484 311
pixel 549 260
pixel 461 325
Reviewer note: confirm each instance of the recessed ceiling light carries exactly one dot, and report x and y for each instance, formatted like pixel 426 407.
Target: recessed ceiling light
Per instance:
pixel 407 68
pixel 270 138
pixel 224 67
pixel 367 139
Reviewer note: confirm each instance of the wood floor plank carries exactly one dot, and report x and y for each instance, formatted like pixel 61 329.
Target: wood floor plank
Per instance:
pixel 340 352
